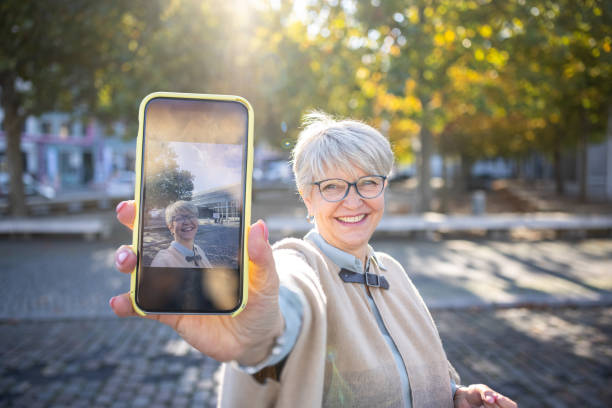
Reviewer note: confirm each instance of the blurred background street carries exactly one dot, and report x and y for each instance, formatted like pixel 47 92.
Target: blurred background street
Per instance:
pixel 499 204
pixel 527 315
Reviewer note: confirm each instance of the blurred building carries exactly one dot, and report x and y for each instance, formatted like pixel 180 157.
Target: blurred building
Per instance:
pixel 598 169
pixel 68 154
pixel 221 204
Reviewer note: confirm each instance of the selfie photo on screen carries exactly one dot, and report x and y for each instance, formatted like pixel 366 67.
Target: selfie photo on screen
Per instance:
pixel 191 207
pixel 193 213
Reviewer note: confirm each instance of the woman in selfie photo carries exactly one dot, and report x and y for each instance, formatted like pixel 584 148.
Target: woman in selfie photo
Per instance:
pixel 329 321
pixel 183 252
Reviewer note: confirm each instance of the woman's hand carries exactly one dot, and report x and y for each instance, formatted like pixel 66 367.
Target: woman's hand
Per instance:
pixel 479 395
pixel 247 337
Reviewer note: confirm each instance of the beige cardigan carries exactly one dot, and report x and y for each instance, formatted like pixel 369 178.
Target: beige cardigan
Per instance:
pixel 340 357
pixel 172 258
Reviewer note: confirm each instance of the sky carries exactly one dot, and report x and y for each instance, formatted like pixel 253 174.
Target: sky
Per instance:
pixel 214 165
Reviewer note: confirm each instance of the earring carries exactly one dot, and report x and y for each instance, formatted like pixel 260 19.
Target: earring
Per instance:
pixel 310 218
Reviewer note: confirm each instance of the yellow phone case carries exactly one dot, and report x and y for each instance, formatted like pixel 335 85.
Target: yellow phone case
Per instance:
pixel 248 184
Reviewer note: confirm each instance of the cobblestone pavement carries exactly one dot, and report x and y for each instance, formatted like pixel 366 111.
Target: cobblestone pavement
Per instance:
pixel 557 358
pixel 59 277
pixel 459 272
pixel 101 363
pixel 552 357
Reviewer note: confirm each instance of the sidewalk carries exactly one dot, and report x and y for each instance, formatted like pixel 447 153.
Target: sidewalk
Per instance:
pixel 70 201
pixel 89 226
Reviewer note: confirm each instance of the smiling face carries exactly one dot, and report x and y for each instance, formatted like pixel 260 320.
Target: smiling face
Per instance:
pixel 184 227
pixel 349 223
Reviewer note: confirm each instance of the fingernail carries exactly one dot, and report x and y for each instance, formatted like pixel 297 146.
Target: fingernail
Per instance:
pixel 490 399
pixel 111 301
pixel 121 257
pixel 120 206
pixel 266 233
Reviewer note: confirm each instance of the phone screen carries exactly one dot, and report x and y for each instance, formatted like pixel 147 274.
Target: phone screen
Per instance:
pixel 191 206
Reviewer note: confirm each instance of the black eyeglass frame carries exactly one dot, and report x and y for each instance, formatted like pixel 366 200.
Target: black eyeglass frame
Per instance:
pixel 318 184
pixel 190 217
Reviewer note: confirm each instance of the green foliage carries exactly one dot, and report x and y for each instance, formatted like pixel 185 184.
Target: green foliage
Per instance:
pixel 166 182
pixel 57 52
pixel 463 69
pixel 483 78
pixel 168 186
pixel 477 78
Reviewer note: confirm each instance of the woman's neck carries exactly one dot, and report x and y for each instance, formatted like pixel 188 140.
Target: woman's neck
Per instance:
pixel 360 253
pixel 186 244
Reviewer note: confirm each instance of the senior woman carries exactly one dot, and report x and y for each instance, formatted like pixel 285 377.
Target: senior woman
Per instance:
pixel 329 322
pixel 182 221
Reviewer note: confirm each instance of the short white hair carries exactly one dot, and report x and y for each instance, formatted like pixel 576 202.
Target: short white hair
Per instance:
pixel 177 207
pixel 346 145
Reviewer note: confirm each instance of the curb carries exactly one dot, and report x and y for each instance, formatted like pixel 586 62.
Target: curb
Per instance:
pixel 604 301
pixel 434 222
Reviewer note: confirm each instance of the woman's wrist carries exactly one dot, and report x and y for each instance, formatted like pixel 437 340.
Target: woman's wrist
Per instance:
pixel 459 391
pixel 258 351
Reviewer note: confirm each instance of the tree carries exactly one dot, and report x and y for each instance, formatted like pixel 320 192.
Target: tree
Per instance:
pixel 420 42
pixel 484 79
pixel 564 71
pixel 53 56
pixel 166 182
pixel 472 79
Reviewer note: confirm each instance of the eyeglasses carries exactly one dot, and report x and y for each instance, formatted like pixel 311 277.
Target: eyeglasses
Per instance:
pixel 184 218
pixel 337 189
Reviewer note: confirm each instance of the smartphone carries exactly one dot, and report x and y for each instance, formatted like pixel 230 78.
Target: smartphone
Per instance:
pixel 193 195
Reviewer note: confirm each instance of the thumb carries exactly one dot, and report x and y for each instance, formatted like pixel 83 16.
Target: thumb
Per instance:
pixel 262 271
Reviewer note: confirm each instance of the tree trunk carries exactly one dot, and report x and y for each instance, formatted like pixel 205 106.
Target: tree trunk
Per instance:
pixel 609 155
pixel 13 122
pixel 464 174
pixel 425 171
pixel 557 164
pixel 520 167
pixel 583 164
pixel 445 185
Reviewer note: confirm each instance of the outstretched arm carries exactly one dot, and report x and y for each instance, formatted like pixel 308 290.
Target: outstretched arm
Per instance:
pixel 246 338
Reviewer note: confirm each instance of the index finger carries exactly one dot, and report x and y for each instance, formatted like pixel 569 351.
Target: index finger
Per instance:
pixel 487 395
pixel 505 402
pixel 126 212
